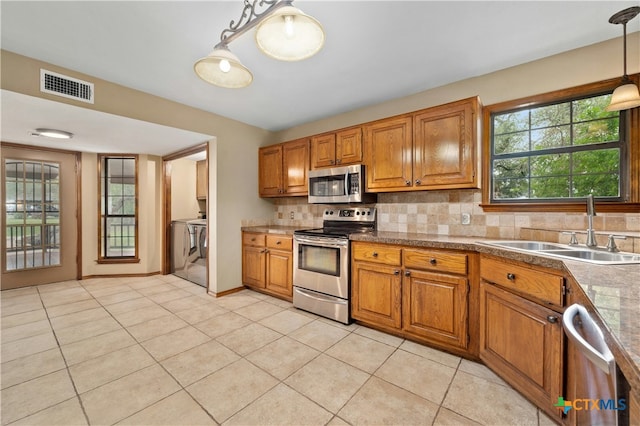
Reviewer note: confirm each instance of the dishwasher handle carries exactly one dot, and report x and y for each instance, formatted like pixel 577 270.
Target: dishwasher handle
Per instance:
pixel 603 358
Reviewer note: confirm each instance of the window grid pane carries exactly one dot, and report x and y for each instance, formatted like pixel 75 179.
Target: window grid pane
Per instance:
pixel 557 152
pixel 32 225
pixel 118 207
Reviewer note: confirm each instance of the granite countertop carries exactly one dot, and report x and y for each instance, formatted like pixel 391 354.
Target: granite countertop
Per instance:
pixel 612 290
pixel 271 229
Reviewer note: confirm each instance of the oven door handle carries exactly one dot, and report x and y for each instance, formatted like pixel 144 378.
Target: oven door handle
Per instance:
pixel 322 242
pixel 325 298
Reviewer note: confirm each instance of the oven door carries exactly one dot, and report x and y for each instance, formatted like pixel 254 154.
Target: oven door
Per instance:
pixel 321 264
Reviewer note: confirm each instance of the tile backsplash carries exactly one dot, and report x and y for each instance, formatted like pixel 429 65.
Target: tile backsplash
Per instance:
pixel 440 212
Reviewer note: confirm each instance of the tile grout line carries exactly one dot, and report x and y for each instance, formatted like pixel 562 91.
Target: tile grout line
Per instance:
pixel 64 358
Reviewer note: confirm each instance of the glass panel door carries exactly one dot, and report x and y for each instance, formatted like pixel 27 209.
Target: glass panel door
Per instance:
pixel 32 214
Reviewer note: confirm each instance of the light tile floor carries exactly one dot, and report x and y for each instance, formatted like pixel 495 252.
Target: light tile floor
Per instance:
pixel 160 351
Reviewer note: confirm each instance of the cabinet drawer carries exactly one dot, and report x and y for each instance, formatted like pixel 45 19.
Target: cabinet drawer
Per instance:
pixel 535 283
pixel 376 253
pixel 253 239
pixel 280 242
pixel 441 261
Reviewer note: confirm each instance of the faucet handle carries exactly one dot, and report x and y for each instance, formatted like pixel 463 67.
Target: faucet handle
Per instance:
pixel 611 244
pixel 573 241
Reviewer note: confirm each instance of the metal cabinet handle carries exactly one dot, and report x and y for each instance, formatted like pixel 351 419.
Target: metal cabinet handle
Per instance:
pixel 407 182
pixel 511 277
pixel 338 161
pixel 418 181
pixel 552 319
pixel 407 273
pixel 332 162
pixel 396 272
pixel 278 242
pixel 374 254
pixel 433 261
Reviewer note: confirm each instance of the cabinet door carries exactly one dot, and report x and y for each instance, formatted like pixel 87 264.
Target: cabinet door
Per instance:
pixel 270 171
pixel 295 156
pixel 434 306
pixel 201 180
pixel 523 342
pixel 323 151
pixel 349 146
pixel 375 294
pixel 280 272
pixel 387 146
pixel 445 146
pixel 254 266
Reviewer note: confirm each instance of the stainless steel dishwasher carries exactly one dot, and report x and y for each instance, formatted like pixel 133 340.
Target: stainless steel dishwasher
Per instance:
pixel 594 387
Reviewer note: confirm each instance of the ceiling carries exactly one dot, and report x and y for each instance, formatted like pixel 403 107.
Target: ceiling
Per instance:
pixel 374 51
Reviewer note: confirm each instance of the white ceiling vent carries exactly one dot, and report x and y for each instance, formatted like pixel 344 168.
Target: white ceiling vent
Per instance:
pixel 69 87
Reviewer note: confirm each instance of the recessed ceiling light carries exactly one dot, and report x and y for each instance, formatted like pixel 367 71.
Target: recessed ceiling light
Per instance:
pixel 52 133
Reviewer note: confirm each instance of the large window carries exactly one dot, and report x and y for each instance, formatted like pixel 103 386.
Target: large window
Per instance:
pixel 555 149
pixel 118 208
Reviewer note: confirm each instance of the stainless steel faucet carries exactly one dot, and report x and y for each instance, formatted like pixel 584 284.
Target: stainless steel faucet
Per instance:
pixel 591 212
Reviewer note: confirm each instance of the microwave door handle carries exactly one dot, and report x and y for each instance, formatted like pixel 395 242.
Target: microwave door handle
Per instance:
pixel 346 184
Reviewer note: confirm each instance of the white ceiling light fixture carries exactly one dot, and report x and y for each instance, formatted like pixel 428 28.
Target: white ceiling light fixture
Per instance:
pixel 283 32
pixel 625 96
pixel 52 133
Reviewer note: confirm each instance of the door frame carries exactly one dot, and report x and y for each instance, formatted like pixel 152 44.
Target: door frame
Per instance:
pixel 166 190
pixel 78 176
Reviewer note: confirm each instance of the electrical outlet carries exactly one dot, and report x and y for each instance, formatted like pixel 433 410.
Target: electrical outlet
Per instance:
pixel 291 215
pixel 465 218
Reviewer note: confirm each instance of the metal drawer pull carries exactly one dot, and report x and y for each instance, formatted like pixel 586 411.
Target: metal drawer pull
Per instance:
pixel 511 277
pixel 407 273
pixel 374 254
pixel 407 182
pixel 552 319
pixel 433 261
pixel 396 272
pixel 418 181
pixel 278 242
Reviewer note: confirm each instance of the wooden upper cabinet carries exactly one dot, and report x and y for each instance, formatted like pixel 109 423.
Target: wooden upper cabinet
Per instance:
pixel 295 157
pixel 323 150
pixel 270 171
pixel 387 149
pixel 283 169
pixel 349 146
pixel 436 148
pixel 337 149
pixel 201 180
pixel 445 146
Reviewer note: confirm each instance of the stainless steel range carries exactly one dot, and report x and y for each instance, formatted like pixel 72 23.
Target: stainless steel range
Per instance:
pixel 321 257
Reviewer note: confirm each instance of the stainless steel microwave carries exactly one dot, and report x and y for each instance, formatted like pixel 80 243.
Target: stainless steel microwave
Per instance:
pixel 339 185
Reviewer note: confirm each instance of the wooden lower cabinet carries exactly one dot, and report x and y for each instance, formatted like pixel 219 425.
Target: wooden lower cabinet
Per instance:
pixel 435 307
pixel 522 341
pixel 376 294
pixel 420 294
pixel 267 263
pixel 279 276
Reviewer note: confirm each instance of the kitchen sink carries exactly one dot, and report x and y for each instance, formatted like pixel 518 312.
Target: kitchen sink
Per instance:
pixel 569 252
pixel 528 245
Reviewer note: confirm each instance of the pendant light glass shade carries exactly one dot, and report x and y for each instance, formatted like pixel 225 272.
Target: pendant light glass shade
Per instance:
pixel 224 69
pixel 624 97
pixel 290 35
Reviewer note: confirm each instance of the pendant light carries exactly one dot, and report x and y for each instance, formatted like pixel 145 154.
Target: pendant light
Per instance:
pixel 283 32
pixel 223 68
pixel 290 35
pixel 625 96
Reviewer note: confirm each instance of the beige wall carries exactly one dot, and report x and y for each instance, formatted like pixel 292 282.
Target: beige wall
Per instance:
pixel 234 166
pixel 585 65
